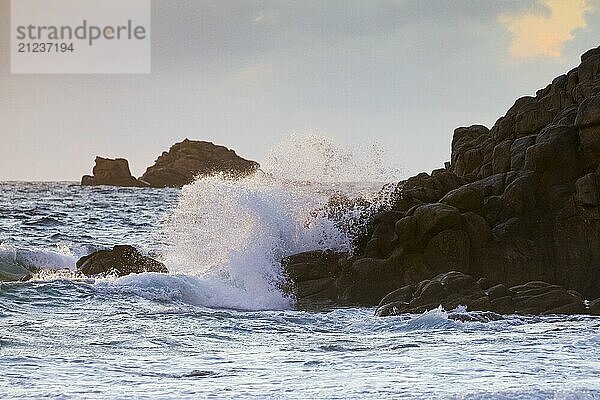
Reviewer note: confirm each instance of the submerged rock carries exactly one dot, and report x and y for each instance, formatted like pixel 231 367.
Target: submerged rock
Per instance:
pixel 474 316
pixel 187 159
pixel 453 289
pixel 121 260
pixel 111 172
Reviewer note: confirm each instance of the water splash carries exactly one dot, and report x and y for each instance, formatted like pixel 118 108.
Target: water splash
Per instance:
pixel 232 234
pixel 225 237
pixel 316 158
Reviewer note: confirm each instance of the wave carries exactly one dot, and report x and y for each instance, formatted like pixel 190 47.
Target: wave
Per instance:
pixel 17 262
pixel 225 238
pixel 231 234
pixel 535 394
pixel 438 318
pixel 205 291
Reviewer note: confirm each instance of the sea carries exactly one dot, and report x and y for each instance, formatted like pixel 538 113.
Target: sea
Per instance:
pixel 218 325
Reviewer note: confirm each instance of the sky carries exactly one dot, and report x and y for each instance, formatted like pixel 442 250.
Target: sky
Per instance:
pixel 246 74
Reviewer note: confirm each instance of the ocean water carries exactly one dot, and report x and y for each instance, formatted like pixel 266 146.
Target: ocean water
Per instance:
pixel 218 327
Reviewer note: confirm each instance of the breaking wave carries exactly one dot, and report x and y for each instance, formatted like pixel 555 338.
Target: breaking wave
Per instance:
pixel 225 238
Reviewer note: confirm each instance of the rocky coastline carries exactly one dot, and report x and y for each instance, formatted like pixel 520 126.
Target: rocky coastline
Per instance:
pixel 511 224
pixel 517 207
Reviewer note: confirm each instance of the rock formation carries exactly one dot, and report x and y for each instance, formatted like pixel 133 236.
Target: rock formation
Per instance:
pixel 111 172
pixel 174 168
pixel 519 202
pixel 187 159
pixel 312 275
pixel 121 260
pixel 452 289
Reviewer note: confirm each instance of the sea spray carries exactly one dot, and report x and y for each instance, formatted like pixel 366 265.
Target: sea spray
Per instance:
pixel 224 239
pixel 311 157
pixel 232 233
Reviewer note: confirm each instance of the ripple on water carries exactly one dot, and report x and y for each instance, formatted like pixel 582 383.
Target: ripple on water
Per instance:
pixel 68 338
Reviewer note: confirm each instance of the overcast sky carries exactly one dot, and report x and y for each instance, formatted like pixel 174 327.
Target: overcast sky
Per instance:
pixel 246 74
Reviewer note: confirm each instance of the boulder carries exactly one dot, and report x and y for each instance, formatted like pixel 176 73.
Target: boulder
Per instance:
pixel 434 218
pixel 590 53
pixel 111 172
pixel 465 198
pixel 477 229
pixel 449 290
pixel 501 157
pixel 11 271
pixel 532 118
pixel 588 122
pixel 311 276
pixel 121 260
pixel 453 288
pixel 366 280
pixel 448 250
pixel 406 229
pixel 543 298
pixel 188 159
pixel 586 191
pixel 466 156
pixel 518 150
pixel 497 291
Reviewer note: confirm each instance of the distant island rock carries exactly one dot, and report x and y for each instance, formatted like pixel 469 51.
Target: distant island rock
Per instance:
pixel 187 159
pixel 174 168
pixel 112 172
pixel 517 203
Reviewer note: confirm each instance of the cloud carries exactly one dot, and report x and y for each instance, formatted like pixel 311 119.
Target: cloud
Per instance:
pixel 543 31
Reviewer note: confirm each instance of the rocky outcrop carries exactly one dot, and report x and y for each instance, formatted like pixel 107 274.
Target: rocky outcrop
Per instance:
pixel 519 202
pixel 111 172
pixel 121 260
pixel 179 166
pixel 187 159
pixel 312 275
pixel 452 289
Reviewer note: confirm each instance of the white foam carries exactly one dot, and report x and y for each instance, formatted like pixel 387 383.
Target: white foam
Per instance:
pixel 210 292
pixel 432 319
pixel 30 260
pixel 225 238
pixel 231 234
